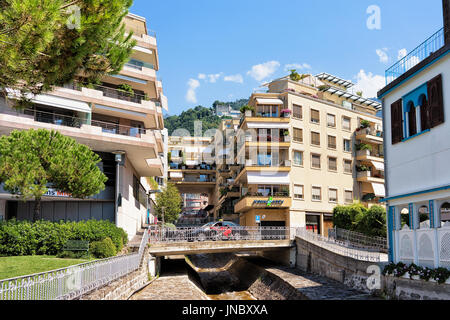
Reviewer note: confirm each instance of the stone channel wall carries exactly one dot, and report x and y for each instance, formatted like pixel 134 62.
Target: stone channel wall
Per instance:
pixel 408 289
pixel 123 288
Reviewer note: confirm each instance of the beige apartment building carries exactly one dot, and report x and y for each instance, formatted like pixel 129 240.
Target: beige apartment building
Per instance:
pixel 306 147
pixel 125 128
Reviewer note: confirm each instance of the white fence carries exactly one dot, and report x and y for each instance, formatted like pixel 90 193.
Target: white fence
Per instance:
pixel 339 247
pixel 74 281
pixel 425 247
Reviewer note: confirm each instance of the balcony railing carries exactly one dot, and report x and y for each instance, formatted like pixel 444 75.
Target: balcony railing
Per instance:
pixel 420 53
pixel 280 194
pixel 121 95
pixel 75 122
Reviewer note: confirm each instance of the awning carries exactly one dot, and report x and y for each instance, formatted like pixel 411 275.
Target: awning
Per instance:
pixel 62 103
pixel 191 162
pixel 378 190
pixel 269 101
pixel 268 125
pixel 176 174
pixel 378 165
pixel 205 149
pixel 274 178
pixel 191 149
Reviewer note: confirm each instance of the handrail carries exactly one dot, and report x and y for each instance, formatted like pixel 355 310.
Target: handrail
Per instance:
pixel 414 57
pixel 74 281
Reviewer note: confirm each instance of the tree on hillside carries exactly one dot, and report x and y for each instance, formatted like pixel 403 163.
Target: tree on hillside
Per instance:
pixel 31 161
pixel 168 202
pixel 46 43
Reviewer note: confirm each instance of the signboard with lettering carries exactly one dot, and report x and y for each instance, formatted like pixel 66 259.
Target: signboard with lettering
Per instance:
pixel 56 193
pixel 258 219
pixel 268 203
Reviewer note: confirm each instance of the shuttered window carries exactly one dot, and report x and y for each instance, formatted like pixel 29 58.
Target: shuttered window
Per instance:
pixel 346 123
pixel 424 115
pixel 435 101
pixel 396 122
pixel 315 116
pixel 297 111
pixel 298 135
pixel 348 196
pixel 332 142
pixel 332 164
pixel 332 195
pixel 348 166
pixel 315 138
pixel 315 161
pixel 317 193
pixel 298 192
pixel 331 120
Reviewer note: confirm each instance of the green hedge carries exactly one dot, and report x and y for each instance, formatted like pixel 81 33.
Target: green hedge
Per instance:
pixel 103 249
pixel 356 217
pixel 19 238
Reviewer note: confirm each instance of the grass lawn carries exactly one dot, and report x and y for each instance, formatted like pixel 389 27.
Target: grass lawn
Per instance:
pixel 11 267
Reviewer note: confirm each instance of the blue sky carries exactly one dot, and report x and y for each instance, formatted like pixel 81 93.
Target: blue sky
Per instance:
pixel 223 49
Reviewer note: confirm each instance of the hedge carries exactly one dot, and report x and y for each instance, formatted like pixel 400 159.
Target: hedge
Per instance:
pixel 19 238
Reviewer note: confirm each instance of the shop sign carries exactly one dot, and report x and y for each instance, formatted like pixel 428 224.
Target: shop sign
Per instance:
pixel 56 193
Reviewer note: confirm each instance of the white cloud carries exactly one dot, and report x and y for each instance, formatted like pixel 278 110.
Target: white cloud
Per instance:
pixel 382 55
pixel 264 70
pixel 213 77
pixel 202 76
pixel 234 78
pixel 368 83
pixel 191 96
pixel 296 66
pixel 402 53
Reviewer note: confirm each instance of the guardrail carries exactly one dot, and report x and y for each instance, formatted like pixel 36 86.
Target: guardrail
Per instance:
pixel 358 240
pixel 421 52
pixel 165 235
pixel 74 281
pixel 337 246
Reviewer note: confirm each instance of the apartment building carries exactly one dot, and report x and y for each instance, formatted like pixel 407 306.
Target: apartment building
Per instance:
pixel 125 128
pixel 305 147
pixel 191 166
pixel 416 106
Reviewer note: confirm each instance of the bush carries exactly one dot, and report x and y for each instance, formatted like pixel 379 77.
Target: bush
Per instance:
pixel 103 249
pixel 18 238
pixel 356 217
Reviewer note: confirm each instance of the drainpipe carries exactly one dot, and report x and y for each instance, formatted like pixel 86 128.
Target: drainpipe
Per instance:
pixel 120 159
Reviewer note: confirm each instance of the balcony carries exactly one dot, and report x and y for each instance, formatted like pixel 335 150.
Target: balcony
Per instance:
pixel 368 176
pixel 368 155
pixel 259 201
pixel 370 135
pixel 420 53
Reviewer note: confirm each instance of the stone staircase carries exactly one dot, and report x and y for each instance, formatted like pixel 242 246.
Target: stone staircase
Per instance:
pixel 136 241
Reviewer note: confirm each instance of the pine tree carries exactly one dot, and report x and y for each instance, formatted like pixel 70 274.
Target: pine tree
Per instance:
pixel 31 161
pixel 46 43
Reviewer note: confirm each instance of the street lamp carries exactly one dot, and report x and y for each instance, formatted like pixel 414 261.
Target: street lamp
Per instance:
pixel 119 157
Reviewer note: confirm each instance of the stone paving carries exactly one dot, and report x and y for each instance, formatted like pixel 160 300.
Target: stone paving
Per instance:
pixel 315 287
pixel 177 287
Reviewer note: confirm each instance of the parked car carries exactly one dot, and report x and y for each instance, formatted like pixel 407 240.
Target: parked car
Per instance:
pixel 221 230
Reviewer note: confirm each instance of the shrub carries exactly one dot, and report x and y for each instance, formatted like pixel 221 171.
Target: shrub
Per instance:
pixel 18 238
pixel 103 249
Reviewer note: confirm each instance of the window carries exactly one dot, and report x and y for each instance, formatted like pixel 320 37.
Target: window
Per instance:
pixel 316 193
pixel 332 142
pixel 298 158
pixel 315 138
pixel 347 145
pixel 435 101
pixel 396 122
pixel 346 123
pixel 298 135
pixel 331 120
pixel 297 111
pixel 315 161
pixel 315 116
pixel 412 119
pixel 348 196
pixel 136 184
pixel 424 114
pixel 332 164
pixel 298 192
pixel 332 195
pixel 348 168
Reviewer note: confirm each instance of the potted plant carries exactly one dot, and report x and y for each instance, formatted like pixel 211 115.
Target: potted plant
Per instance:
pixel 286 136
pixel 286 113
pixel 364 148
pixel 294 76
pixel 323 87
pixel 126 89
pixel 247 110
pixel 364 124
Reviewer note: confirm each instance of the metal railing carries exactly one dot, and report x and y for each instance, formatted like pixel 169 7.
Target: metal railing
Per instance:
pixel 224 233
pixel 358 240
pixel 337 246
pixel 74 281
pixel 421 52
pixel 120 94
pixel 75 122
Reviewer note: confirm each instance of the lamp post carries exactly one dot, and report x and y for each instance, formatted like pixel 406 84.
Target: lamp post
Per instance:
pixel 119 157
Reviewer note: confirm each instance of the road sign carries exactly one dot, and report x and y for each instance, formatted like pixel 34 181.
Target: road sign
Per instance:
pixel 258 219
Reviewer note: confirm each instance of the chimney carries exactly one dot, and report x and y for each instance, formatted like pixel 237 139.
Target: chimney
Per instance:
pixel 446 12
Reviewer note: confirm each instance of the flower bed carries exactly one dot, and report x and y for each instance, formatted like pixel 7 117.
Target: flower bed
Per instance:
pixel 439 275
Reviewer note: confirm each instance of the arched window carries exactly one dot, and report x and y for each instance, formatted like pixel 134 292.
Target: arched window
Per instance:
pixel 412 119
pixel 424 113
pixel 404 218
pixel 445 212
pixel 424 217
